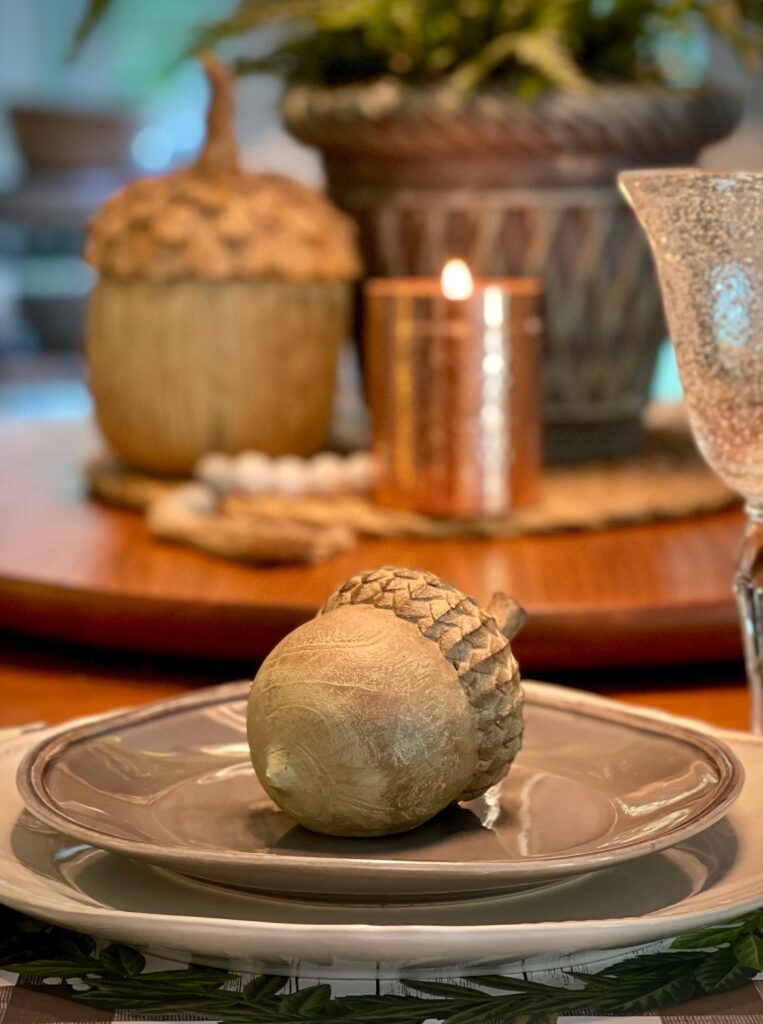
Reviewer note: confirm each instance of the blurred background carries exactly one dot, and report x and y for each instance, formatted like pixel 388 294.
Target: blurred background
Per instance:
pixel 72 133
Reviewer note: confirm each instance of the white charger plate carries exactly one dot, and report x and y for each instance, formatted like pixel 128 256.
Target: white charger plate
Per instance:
pixel 713 876
pixel 172 783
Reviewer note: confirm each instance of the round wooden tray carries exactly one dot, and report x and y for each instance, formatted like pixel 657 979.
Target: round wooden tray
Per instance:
pixel 73 569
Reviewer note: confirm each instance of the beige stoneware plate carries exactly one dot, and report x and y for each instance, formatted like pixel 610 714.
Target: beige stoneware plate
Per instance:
pixel 171 784
pixel 716 875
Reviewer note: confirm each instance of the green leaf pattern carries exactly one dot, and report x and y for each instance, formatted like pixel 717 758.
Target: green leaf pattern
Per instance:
pixel 749 951
pixel 115 976
pixel 122 960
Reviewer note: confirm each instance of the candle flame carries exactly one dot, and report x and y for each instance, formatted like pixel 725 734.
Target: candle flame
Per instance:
pixel 456 280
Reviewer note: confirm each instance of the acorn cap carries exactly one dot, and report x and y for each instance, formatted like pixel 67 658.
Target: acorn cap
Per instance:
pixel 470 640
pixel 216 222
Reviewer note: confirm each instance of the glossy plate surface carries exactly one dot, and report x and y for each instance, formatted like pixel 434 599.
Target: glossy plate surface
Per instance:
pixel 714 876
pixel 172 784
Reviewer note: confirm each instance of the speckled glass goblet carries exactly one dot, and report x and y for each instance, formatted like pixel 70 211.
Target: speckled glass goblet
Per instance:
pixel 706 233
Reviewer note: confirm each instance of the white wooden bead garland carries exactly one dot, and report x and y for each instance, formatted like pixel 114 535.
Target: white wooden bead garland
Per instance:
pixel 254 473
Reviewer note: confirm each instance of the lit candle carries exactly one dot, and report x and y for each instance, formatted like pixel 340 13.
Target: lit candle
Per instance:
pixel 456 281
pixel 453 385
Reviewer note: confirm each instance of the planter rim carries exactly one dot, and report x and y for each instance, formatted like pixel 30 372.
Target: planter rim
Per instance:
pixel 393 120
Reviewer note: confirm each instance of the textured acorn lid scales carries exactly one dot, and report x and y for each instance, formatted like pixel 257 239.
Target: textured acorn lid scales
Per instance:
pixel 214 221
pixel 471 640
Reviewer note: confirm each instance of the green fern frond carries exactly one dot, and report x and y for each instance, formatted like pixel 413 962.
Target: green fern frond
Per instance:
pixel 541 52
pixel 255 14
pixel 526 45
pixel 546 53
pixel 90 20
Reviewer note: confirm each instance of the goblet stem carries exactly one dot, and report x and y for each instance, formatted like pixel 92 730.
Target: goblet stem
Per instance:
pixel 748 587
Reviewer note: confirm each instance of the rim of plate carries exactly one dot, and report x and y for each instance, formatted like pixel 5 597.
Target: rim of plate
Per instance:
pixel 30 781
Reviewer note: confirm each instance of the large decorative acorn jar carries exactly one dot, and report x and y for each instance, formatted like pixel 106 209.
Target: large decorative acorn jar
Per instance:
pixel 220 307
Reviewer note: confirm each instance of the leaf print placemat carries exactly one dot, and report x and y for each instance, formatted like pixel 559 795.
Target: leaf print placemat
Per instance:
pixel 49 975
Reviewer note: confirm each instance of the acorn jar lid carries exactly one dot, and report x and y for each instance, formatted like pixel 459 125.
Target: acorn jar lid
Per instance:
pixel 214 221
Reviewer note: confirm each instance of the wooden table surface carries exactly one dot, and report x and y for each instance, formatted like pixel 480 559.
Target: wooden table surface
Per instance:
pixel 52 682
pixel 72 569
pixel 655 596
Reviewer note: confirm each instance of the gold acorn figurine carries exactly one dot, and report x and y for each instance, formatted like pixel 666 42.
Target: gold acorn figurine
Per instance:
pixel 400 697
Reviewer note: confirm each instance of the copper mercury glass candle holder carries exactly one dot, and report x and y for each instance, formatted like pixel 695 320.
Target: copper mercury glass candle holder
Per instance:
pixel 453 380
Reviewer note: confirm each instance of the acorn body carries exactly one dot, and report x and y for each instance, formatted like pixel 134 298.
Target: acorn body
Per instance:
pixel 399 698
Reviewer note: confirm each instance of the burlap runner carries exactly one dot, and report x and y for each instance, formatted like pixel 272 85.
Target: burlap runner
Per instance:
pixel 667 480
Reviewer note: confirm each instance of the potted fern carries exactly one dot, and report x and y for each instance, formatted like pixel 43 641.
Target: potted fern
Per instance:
pixel 493 130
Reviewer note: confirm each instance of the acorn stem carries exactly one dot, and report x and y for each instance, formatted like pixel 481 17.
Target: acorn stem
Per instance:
pixel 220 151
pixel 278 771
pixel 509 614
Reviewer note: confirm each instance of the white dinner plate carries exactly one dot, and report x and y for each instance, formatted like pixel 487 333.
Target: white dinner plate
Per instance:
pixel 172 783
pixel 713 876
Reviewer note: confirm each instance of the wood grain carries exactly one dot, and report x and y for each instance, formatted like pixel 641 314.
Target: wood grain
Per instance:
pixel 74 570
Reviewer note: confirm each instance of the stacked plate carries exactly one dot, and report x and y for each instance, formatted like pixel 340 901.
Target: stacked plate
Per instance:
pixel 613 828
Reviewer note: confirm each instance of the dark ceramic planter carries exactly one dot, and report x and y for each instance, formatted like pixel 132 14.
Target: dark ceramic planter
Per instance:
pixel 525 190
